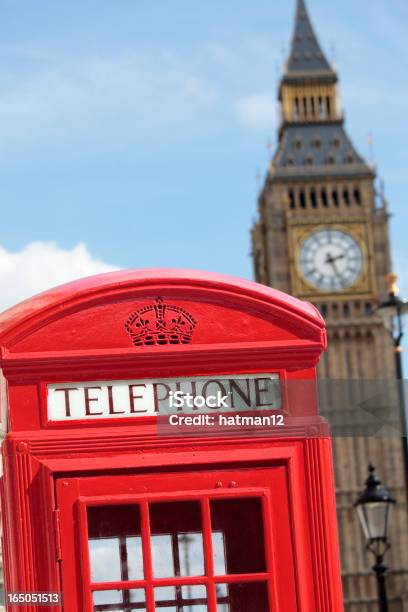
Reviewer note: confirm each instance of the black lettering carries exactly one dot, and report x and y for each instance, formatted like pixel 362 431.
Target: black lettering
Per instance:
pixel 259 391
pixel 157 398
pixel 88 401
pixel 111 406
pixel 234 386
pixel 133 397
pixel 66 391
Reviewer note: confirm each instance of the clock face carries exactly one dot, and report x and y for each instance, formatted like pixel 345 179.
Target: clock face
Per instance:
pixel 331 260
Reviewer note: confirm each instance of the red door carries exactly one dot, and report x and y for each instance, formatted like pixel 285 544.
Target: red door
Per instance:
pixel 178 542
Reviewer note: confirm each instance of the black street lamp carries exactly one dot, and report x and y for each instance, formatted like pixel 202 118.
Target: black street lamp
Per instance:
pixel 374 508
pixel 392 312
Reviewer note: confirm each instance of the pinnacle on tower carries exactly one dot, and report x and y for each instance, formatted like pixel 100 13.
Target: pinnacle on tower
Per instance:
pixel 306 56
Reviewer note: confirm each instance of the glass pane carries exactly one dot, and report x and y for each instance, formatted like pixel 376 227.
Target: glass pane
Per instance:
pixel 137 596
pixel 107 597
pixel 219 553
pixel 165 594
pixel 249 597
pixel 376 517
pixel 194 591
pixel 238 537
pixel 119 601
pixel 162 556
pixel 104 557
pixel 186 598
pixel 190 546
pixel 177 540
pixel 194 598
pixel 115 543
pixel 134 557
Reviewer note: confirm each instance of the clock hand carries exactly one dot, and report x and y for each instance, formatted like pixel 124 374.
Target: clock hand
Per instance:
pixel 336 271
pixel 331 260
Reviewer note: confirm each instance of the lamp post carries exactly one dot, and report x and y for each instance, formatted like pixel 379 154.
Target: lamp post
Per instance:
pixel 392 311
pixel 374 508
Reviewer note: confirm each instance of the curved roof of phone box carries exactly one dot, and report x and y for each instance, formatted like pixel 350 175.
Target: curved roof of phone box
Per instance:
pixel 65 296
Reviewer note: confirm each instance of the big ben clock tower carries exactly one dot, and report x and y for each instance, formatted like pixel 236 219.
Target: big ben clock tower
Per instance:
pixel 322 235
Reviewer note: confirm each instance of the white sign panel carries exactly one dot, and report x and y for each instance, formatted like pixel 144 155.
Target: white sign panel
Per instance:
pixel 134 398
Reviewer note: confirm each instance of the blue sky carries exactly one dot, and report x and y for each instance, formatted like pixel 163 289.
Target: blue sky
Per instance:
pixel 137 128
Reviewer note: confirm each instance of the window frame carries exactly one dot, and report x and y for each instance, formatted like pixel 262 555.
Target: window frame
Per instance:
pixel 188 493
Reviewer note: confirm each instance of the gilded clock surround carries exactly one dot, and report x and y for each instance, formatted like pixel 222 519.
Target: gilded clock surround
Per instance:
pixel 364 285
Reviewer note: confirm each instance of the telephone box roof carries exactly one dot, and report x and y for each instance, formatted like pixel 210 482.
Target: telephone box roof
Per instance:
pixel 52 303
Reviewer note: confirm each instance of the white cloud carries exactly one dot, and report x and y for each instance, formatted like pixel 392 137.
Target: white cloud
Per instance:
pixel 40 266
pixel 257 111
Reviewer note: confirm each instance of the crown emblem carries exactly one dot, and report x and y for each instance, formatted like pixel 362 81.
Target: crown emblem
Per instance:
pixel 159 324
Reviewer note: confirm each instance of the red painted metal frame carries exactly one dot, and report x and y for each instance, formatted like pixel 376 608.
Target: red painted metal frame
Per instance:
pixel 76 332
pixel 279 555
pixel 310 491
pixel 209 579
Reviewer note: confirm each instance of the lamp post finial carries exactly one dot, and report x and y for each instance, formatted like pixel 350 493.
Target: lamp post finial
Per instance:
pixel 392 284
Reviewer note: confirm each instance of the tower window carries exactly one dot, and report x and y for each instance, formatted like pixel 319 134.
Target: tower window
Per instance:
pixel 346 197
pixel 323 195
pixel 335 197
pixel 321 107
pixel 346 310
pixel 357 307
pixel 302 198
pixel 292 202
pixel 330 160
pixel 313 198
pixel 298 144
pixel 357 195
pixel 328 102
pixel 317 143
pixel 312 106
pixel 297 108
pixel 336 142
pixel 309 160
pixel 305 107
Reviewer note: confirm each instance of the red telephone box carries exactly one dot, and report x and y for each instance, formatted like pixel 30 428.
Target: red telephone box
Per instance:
pixel 113 499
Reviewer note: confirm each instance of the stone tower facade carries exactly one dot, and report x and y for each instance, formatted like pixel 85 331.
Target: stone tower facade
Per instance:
pixel 322 235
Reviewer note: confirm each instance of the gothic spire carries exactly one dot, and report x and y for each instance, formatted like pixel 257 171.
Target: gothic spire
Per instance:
pixel 306 56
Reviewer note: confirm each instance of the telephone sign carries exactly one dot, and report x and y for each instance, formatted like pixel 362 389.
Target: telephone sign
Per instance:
pixel 119 399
